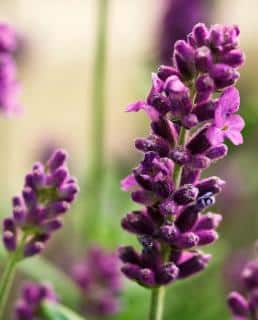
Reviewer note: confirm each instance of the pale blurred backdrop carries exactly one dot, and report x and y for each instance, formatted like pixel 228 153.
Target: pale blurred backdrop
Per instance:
pixel 56 70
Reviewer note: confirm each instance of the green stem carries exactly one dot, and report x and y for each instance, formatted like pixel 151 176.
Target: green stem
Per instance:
pixel 158 294
pixel 98 101
pixel 8 276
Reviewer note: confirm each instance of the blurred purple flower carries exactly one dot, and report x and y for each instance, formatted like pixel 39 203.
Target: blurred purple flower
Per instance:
pixel 9 87
pixel 178 18
pixel 99 279
pixel 32 296
pixel 48 192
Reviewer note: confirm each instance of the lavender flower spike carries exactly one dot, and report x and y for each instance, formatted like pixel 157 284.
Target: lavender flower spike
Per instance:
pixel 99 279
pixel 192 106
pixel 32 296
pixel 245 305
pixel 9 86
pixel 48 192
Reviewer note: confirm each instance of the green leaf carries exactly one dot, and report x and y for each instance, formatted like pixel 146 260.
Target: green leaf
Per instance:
pixel 53 311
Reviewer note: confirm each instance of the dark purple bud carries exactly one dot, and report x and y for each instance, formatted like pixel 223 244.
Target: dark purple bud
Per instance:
pixel 212 184
pixel 19 214
pixel 217 152
pixel 206 237
pixel 138 222
pixel 250 275
pixel 238 305
pixel 175 87
pixel 180 155
pixel 38 178
pixel 205 87
pixel 9 225
pixel 206 110
pixel 187 218
pixel 253 299
pixel 23 311
pixel 199 142
pixel 9 240
pixel 166 71
pixel 59 176
pixel 33 248
pixel 190 176
pixel 146 277
pixel 199 162
pixel 193 265
pixel 131 271
pixel 143 197
pixel 129 255
pixel 185 194
pixel 234 58
pixel 208 221
pixel 17 201
pixel 168 232
pixel 223 75
pixel 67 192
pixel 30 197
pixel 184 58
pixel 153 143
pixel 187 240
pixel 167 273
pixel 203 59
pixel 165 129
pixel 59 207
pixel 162 105
pixel 200 34
pixel 52 225
pixel 57 159
pixel 175 256
pixel 189 121
pixel 167 208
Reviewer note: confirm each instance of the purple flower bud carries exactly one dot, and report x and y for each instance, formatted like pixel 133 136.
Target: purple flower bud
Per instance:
pixel 253 298
pixel 52 225
pixel 203 59
pixel 205 87
pixel 9 225
pixel 129 255
pixel 234 58
pixel 217 152
pixel 23 311
pixel 200 34
pixel 238 305
pixel 167 273
pixel 143 197
pixel 190 176
pixel 67 192
pixel 199 142
pixel 175 87
pixel 187 218
pixel 168 232
pixel 59 176
pixel 250 275
pixel 186 194
pixel 180 155
pixel 33 248
pixel 199 162
pixel 206 237
pixel 131 271
pixel 57 160
pixel 9 240
pixel 187 240
pixel 153 143
pixel 165 129
pixel 184 58
pixel 212 184
pixel 223 75
pixel 30 197
pixel 193 265
pixel 167 208
pixel 189 121
pixel 138 222
pixel 205 110
pixel 59 207
pixel 166 71
pixel 17 201
pixel 19 214
pixel 146 277
pixel 208 221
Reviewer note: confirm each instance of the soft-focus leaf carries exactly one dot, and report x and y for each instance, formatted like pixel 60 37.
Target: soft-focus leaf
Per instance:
pixel 54 311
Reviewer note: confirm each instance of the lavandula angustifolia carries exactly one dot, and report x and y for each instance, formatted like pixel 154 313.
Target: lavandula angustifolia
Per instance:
pixel 177 20
pixel 244 306
pixel 192 106
pixel 99 278
pixel 9 87
pixel 33 295
pixel 48 192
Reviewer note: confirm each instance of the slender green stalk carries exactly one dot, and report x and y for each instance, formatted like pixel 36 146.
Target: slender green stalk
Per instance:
pixel 8 276
pixel 158 294
pixel 98 100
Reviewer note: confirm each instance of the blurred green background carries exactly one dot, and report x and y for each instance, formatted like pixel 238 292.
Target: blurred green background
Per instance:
pixel 56 71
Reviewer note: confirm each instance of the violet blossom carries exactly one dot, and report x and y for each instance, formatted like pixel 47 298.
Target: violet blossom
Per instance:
pixel 28 306
pixel 48 192
pixel 191 106
pixel 244 305
pixel 9 86
pixel 99 279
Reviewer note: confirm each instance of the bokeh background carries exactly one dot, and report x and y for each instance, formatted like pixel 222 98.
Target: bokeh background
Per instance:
pixel 55 63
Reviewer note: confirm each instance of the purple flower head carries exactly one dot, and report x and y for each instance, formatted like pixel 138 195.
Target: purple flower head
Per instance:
pixel 99 278
pixel 9 87
pixel 28 307
pixel 48 192
pixel 227 124
pixel 192 107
